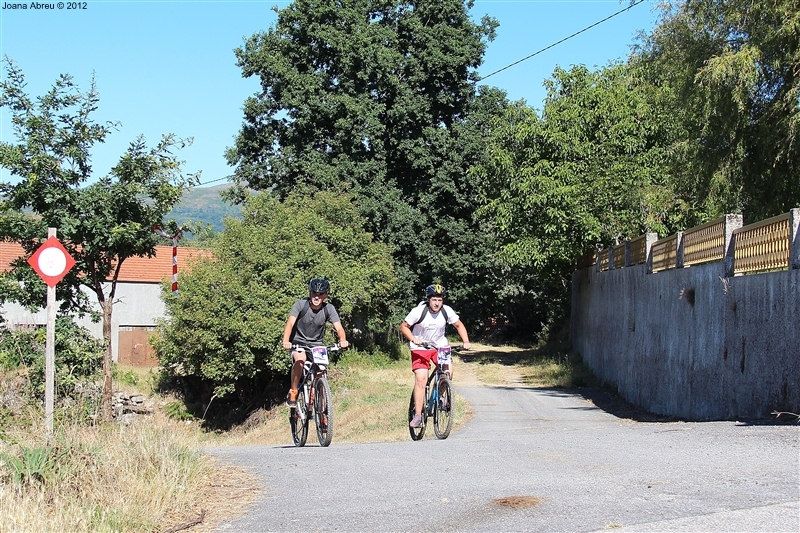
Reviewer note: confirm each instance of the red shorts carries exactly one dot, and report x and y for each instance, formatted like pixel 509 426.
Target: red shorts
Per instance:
pixel 421 359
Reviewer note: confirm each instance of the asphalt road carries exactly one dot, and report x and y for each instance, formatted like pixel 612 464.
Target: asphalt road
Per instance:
pixel 535 460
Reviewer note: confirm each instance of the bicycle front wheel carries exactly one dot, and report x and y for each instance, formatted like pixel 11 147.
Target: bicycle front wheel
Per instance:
pixel 323 410
pixel 416 433
pixel 298 419
pixel 443 409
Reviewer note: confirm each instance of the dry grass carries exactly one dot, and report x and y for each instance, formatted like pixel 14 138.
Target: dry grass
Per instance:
pixel 534 367
pixel 370 405
pixel 111 478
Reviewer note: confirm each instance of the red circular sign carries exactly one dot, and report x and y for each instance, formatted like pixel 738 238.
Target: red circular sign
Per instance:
pixel 51 261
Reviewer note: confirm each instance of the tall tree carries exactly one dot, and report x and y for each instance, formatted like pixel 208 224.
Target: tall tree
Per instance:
pixel 367 96
pixel 734 67
pixel 101 223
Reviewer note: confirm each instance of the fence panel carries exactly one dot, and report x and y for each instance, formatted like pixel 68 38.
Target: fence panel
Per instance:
pixel 639 250
pixel 619 255
pixel 762 246
pixel 705 243
pixel 602 259
pixel 665 253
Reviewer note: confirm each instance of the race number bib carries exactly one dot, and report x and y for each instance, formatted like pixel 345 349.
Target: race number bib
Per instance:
pixel 444 356
pixel 320 355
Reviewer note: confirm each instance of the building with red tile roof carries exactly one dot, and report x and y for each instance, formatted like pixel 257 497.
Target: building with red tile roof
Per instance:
pixel 138 304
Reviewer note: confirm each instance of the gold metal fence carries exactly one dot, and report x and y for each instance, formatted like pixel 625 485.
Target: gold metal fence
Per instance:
pixel 705 243
pixel 619 255
pixel 665 253
pixel 762 246
pixel 638 248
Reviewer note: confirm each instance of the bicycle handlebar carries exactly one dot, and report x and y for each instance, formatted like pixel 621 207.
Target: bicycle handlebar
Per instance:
pixel 332 348
pixel 430 346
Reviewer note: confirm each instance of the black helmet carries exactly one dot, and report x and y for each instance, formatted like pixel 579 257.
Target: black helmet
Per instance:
pixel 319 285
pixel 435 290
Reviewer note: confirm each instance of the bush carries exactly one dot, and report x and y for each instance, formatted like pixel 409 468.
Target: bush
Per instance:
pixel 79 356
pixel 224 330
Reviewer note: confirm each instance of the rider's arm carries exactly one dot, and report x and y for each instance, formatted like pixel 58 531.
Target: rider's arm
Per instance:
pixel 462 332
pixel 340 334
pixel 405 330
pixel 287 332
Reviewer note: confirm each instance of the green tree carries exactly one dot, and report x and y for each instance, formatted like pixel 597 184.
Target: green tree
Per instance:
pixel 374 98
pixel 101 223
pixel 225 328
pixel 734 67
pixel 592 169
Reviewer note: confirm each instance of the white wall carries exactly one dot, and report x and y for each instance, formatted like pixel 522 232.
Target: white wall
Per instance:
pixel 135 304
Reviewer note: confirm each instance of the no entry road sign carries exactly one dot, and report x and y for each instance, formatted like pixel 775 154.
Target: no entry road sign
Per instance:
pixel 51 261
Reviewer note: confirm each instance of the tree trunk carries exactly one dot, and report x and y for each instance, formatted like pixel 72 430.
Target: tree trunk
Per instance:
pixel 105 405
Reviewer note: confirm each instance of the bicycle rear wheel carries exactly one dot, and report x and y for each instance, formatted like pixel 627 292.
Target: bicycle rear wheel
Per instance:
pixel 416 433
pixel 323 410
pixel 443 409
pixel 298 419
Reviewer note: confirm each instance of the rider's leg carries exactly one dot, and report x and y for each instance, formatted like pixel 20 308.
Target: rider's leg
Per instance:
pixel 298 359
pixel 420 378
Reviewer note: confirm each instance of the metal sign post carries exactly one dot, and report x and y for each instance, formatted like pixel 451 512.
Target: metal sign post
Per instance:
pixel 52 262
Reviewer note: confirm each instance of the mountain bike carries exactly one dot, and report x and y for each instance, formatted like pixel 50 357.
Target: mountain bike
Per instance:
pixel 314 398
pixel 438 398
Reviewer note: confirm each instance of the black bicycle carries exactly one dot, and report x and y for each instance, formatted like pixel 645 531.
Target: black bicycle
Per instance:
pixel 314 399
pixel 438 398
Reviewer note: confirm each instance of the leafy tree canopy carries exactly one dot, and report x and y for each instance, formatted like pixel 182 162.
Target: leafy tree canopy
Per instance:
pixel 101 223
pixel 374 98
pixel 734 67
pixel 592 169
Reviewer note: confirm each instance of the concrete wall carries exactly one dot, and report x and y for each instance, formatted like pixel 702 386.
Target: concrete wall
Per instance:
pixel 690 342
pixel 136 304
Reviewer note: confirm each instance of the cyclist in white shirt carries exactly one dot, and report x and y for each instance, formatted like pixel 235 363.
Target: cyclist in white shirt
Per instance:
pixel 426 324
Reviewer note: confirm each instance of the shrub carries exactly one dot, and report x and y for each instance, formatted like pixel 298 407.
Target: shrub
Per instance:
pixel 224 330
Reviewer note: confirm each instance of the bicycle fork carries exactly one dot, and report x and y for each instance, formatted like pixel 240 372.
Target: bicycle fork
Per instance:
pixel 434 396
pixel 308 394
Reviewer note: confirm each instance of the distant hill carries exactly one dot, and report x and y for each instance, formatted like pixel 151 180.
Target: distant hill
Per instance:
pixel 204 204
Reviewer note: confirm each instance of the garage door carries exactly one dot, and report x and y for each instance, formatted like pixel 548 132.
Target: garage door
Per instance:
pixel 134 348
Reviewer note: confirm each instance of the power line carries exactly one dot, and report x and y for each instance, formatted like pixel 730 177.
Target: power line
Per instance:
pixel 564 39
pixel 212 181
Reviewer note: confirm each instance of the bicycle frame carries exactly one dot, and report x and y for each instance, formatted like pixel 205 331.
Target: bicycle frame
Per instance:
pixel 440 408
pixel 314 397
pixel 313 369
pixel 437 372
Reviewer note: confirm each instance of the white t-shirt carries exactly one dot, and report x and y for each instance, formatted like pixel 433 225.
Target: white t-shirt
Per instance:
pixel 432 327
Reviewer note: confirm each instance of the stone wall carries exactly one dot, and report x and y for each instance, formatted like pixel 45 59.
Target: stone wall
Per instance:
pixel 691 342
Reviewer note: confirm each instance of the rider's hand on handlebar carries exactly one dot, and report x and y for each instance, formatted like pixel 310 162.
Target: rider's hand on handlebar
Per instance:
pixel 466 345
pixel 343 344
pixel 287 345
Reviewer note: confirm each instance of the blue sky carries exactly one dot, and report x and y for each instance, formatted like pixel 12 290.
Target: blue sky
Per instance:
pixel 168 66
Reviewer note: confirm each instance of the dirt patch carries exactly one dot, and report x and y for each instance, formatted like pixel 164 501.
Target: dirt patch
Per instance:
pixel 474 369
pixel 518 502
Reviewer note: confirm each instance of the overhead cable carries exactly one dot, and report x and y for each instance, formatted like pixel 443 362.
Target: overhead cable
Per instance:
pixel 634 4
